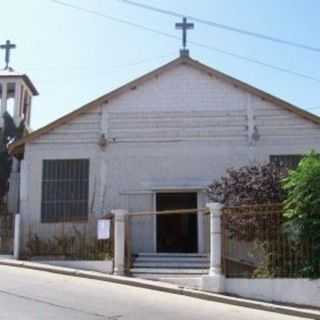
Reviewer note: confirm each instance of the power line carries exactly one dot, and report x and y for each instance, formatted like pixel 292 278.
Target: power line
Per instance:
pixel 114 68
pixel 119 20
pixel 169 35
pixel 221 26
pixel 259 62
pixel 314 108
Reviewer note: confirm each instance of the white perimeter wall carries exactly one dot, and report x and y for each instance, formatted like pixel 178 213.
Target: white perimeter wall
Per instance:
pixel 294 291
pixel 104 266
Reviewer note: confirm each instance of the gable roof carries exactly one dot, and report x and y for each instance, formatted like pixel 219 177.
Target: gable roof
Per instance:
pixel 182 60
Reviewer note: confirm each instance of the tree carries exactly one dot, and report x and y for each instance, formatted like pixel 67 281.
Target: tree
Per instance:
pixel 9 133
pixel 252 215
pixel 249 185
pixel 302 209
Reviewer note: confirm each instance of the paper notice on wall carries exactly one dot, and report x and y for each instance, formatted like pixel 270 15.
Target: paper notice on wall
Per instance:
pixel 103 226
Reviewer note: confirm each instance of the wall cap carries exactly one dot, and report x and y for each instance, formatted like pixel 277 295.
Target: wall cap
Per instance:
pixel 215 207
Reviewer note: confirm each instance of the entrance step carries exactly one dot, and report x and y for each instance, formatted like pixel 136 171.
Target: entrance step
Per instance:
pixel 182 264
pixel 6 257
pixel 168 254
pixel 183 281
pixel 170 261
pixel 185 269
pixel 167 271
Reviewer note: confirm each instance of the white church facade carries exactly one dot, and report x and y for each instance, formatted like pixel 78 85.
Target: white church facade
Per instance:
pixel 152 145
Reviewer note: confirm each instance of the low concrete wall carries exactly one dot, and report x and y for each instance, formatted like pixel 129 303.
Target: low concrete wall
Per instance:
pixel 105 266
pixel 294 291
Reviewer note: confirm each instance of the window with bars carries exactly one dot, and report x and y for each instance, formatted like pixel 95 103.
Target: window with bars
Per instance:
pixel 65 190
pixel 289 161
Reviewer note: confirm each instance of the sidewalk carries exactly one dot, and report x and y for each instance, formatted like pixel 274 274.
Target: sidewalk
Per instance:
pixel 159 286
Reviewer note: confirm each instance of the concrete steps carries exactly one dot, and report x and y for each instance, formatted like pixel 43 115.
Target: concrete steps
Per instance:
pixel 178 268
pixel 162 254
pixel 170 264
pixel 167 271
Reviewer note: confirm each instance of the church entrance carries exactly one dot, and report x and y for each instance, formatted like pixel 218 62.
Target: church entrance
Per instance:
pixel 177 232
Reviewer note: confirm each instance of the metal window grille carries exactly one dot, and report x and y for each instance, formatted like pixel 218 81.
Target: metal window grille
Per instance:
pixel 288 161
pixel 65 189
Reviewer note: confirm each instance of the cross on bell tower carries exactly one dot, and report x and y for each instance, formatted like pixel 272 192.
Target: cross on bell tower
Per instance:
pixel 7 47
pixel 184 26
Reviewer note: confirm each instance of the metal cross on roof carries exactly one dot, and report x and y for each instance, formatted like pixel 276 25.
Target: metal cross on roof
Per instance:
pixel 7 47
pixel 184 26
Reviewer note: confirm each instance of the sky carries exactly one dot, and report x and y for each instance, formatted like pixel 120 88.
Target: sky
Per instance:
pixel 73 57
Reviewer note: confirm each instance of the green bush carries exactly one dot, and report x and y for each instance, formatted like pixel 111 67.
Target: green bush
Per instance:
pixel 302 210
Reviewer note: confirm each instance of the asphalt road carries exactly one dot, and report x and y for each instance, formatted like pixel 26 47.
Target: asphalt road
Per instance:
pixel 27 294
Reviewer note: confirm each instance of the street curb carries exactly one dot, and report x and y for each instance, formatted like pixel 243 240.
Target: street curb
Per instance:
pixel 169 288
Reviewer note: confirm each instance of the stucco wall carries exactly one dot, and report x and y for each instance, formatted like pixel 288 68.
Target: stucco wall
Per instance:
pixel 295 291
pixel 105 266
pixel 180 130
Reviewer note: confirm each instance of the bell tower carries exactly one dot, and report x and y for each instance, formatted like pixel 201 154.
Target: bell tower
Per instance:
pixel 16 91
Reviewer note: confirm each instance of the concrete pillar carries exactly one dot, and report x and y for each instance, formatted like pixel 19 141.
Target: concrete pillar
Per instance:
pixel 215 280
pixel 16 243
pixel 119 241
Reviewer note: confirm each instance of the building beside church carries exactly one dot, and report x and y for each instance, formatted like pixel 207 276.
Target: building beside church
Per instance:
pixel 155 144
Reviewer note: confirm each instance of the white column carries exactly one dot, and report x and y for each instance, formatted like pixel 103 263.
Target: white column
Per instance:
pixel 17 103
pixel 23 97
pixel 3 98
pixel 119 241
pixel 16 243
pixel 28 115
pixel 215 238
pixel 215 280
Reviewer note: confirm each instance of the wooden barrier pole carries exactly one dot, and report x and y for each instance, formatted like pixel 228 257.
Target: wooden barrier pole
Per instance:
pixel 178 211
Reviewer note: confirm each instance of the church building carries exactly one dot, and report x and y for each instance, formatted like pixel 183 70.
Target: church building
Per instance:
pixel 154 144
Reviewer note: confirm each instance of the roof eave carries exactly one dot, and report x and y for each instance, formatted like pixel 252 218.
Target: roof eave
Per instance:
pixel 26 79
pixel 30 85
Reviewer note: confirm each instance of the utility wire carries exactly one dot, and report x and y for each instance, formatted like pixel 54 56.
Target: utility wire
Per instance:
pixel 259 62
pixel 169 35
pixel 119 20
pixel 114 68
pixel 314 108
pixel 220 26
